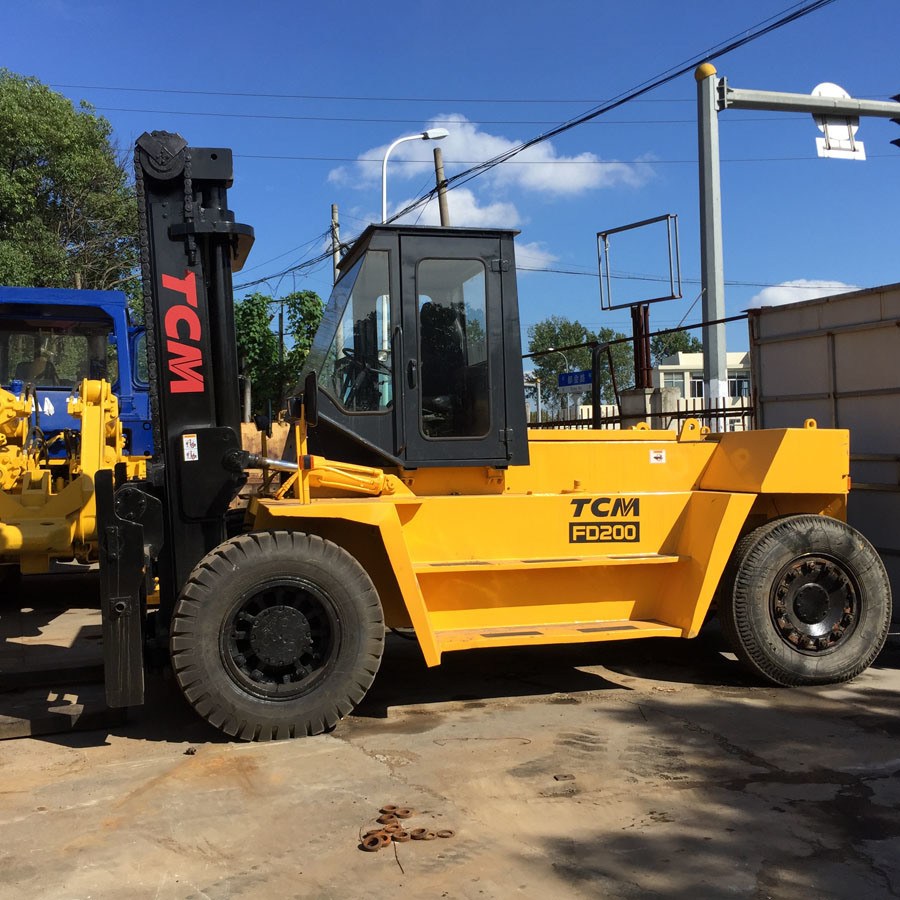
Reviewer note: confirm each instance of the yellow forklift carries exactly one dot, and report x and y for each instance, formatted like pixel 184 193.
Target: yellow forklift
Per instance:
pixel 414 496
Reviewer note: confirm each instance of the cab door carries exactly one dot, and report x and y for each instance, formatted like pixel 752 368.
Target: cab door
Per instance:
pixel 452 378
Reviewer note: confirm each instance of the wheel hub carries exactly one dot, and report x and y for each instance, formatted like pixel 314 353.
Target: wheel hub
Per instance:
pixel 814 604
pixel 280 635
pixel 280 638
pixel 811 604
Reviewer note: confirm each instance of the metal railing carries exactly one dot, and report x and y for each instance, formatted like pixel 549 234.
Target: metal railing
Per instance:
pixel 722 414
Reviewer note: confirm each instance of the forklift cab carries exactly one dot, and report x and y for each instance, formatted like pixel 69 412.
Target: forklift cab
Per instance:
pixel 418 356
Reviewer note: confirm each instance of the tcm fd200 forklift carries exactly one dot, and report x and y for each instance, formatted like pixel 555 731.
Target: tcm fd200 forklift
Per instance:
pixel 415 497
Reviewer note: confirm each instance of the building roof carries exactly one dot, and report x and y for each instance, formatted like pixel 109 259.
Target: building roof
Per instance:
pixel 686 361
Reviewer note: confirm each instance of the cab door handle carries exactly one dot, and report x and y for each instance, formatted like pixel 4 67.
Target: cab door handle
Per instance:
pixel 411 373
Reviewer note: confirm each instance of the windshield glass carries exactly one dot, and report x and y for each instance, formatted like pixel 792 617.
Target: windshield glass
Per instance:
pixel 56 355
pixel 351 351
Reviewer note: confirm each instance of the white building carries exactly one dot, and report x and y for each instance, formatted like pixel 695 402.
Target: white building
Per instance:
pixel 684 372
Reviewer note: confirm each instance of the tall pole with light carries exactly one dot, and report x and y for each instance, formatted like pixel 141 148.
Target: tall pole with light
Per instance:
pixel 433 134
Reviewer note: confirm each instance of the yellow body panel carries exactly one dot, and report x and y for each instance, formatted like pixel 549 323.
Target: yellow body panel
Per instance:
pixel 605 535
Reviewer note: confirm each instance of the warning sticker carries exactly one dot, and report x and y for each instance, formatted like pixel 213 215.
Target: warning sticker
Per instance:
pixel 657 456
pixel 189 443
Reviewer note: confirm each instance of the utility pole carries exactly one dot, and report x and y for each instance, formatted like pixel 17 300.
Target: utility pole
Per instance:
pixel 715 360
pixel 281 403
pixel 829 105
pixel 441 186
pixel 335 240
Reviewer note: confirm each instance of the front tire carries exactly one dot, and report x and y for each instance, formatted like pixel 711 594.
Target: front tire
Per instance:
pixel 806 600
pixel 276 634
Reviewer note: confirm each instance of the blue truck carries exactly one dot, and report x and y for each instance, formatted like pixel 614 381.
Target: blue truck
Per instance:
pixel 52 338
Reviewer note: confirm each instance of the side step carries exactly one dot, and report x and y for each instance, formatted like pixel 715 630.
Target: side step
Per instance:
pixel 563 562
pixel 563 633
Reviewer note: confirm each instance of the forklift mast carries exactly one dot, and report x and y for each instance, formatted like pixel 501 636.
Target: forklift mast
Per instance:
pixel 190 245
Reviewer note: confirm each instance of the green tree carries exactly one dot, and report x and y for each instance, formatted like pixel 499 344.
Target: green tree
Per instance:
pixel 663 345
pixel 255 318
pixel 67 208
pixel 257 347
pixel 558 331
pixel 303 311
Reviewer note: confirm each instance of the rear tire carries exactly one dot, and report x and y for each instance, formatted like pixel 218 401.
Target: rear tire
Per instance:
pixel 276 634
pixel 805 600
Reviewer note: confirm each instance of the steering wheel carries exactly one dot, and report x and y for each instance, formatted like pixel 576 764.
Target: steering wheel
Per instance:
pixel 381 367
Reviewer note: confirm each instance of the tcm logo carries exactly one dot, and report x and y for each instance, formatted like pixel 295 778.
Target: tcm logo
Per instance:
pixel 185 359
pixel 606 507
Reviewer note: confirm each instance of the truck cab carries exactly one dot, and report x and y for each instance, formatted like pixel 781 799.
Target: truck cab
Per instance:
pixel 51 339
pixel 418 356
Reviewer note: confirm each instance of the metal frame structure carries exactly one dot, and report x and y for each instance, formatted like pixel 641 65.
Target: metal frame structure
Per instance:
pixel 713 96
pixel 674 267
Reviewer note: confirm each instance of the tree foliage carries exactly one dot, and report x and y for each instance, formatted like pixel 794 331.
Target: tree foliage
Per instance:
pixel 558 331
pixel 255 317
pixel 67 205
pixel 663 345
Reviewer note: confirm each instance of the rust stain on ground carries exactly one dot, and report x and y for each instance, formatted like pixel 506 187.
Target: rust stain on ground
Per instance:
pixel 239 768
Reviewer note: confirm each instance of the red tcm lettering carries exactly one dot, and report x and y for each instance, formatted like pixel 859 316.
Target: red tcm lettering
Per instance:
pixel 185 360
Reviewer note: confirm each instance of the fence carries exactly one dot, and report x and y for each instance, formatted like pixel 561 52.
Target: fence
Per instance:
pixel 722 414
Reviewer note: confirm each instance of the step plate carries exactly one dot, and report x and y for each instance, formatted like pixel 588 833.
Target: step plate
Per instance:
pixel 564 633
pixel 567 562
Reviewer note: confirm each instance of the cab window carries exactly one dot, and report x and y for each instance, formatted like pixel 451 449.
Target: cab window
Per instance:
pixel 453 353
pixel 356 367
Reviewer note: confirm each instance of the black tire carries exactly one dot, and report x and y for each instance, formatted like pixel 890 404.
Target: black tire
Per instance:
pixel 805 600
pixel 276 634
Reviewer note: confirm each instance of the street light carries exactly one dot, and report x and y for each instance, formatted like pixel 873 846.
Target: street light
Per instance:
pixel 433 134
pixel 566 358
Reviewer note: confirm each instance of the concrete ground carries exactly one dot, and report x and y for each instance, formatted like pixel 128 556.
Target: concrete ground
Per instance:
pixel 650 768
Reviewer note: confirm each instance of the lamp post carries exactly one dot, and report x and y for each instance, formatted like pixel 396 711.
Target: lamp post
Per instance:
pixel 433 134
pixel 566 358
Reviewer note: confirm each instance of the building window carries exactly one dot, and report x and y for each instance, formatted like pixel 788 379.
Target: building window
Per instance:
pixel 674 380
pixel 696 385
pixel 738 386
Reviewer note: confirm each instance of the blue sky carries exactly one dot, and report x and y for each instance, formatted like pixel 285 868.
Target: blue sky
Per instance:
pixel 494 75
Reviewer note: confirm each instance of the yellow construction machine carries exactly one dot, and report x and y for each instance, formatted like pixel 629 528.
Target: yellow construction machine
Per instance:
pixel 414 496
pixel 47 505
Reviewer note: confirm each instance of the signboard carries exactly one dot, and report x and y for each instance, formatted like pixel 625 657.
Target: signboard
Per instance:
pixel 574 382
pixel 840 131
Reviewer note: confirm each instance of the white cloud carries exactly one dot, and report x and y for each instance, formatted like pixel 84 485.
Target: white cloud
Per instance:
pixel 540 168
pixel 464 209
pixel 797 290
pixel 534 256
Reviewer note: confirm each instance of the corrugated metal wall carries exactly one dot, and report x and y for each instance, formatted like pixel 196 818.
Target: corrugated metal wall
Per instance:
pixel 837 360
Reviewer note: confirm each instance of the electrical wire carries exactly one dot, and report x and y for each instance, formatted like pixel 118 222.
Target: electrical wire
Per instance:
pixel 338 97
pixel 767 26
pixel 418 122
pixel 632 276
pixel 548 162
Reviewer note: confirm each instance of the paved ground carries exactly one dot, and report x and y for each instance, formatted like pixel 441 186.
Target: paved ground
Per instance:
pixel 640 769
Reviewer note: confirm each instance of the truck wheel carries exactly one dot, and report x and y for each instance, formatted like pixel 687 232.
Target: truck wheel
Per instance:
pixel 276 634
pixel 806 600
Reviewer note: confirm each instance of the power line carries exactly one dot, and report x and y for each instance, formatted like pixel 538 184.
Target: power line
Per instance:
pixel 544 162
pixel 632 276
pixel 313 240
pixel 418 122
pixel 339 97
pixel 767 26
pixel 335 97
